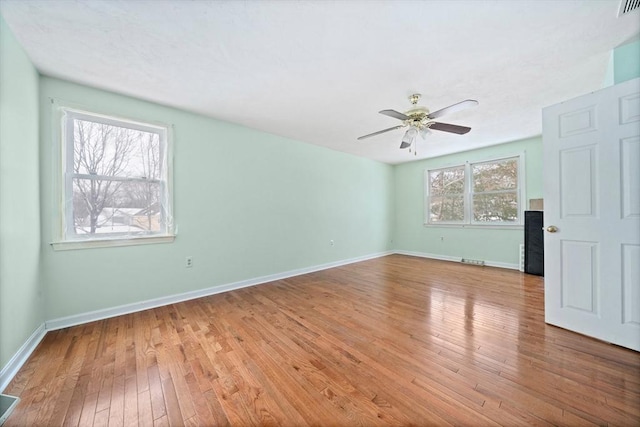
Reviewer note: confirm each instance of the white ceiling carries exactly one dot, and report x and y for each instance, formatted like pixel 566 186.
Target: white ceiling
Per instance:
pixel 319 71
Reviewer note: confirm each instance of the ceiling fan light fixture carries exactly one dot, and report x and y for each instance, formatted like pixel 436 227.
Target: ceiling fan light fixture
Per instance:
pixel 409 137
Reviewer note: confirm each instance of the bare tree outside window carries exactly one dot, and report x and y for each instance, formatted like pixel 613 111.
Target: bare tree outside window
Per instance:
pixel 146 194
pixel 495 191
pixel 474 193
pixel 116 182
pixel 101 152
pixel 446 191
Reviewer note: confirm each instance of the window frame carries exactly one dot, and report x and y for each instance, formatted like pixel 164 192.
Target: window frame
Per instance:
pixel 65 236
pixel 469 221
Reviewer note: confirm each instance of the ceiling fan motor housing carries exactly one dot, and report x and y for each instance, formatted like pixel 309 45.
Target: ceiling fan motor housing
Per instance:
pixel 418 116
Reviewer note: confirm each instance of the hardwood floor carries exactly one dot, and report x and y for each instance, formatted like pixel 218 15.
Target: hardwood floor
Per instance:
pixel 391 341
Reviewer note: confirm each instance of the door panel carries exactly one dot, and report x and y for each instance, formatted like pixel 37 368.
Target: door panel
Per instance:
pixel 582 120
pixel 630 290
pixel 592 197
pixel 629 108
pixel 577 186
pixel 580 285
pixel 630 177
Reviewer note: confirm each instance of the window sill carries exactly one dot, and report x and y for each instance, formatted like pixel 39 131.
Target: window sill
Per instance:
pixel 109 243
pixel 477 226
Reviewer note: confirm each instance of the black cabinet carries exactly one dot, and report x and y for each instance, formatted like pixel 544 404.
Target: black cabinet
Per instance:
pixel 533 243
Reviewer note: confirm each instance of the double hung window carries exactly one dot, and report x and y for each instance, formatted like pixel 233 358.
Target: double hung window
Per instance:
pixel 115 182
pixel 481 193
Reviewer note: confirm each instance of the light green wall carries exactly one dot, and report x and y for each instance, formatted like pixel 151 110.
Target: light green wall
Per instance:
pixel 247 204
pixel 20 291
pixel 496 246
pixel 626 62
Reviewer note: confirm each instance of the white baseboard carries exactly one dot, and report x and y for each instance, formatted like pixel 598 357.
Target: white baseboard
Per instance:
pixel 78 319
pixel 506 265
pixel 428 255
pixel 457 259
pixel 11 369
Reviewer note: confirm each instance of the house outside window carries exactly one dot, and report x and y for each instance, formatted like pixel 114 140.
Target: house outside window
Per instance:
pixel 487 193
pixel 115 179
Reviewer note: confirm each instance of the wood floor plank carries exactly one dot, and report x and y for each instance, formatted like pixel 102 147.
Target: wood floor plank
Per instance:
pixel 396 340
pixel 88 409
pixel 174 412
pixel 145 413
pixel 158 407
pixel 101 419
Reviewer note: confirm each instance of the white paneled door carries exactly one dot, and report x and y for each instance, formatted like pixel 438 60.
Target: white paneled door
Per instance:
pixel 592 214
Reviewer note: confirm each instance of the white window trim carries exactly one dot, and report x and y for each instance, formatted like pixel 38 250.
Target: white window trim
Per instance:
pixel 468 221
pixel 61 158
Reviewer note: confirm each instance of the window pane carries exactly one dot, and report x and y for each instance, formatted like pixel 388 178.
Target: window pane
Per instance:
pixel 494 176
pixel 106 206
pixel 496 207
pixel 446 181
pixel 101 149
pixel 446 209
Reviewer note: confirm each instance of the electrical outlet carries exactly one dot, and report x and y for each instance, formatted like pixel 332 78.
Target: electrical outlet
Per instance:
pixel 331 242
pixel 188 262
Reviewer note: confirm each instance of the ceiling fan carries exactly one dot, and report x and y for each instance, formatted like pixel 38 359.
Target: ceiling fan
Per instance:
pixel 420 120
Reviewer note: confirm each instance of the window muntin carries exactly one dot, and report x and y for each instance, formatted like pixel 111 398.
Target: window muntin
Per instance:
pixel 480 193
pixel 115 178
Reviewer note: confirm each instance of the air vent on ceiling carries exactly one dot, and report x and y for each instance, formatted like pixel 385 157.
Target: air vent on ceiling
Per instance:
pixel 627 6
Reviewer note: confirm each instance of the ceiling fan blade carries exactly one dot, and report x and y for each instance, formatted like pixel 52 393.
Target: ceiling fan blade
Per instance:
pixel 404 145
pixel 395 114
pixel 446 127
pixel 380 131
pixel 453 108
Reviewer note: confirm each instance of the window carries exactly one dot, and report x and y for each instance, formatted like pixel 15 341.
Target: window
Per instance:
pixel 446 195
pixel 482 193
pixel 115 178
pixel 494 192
